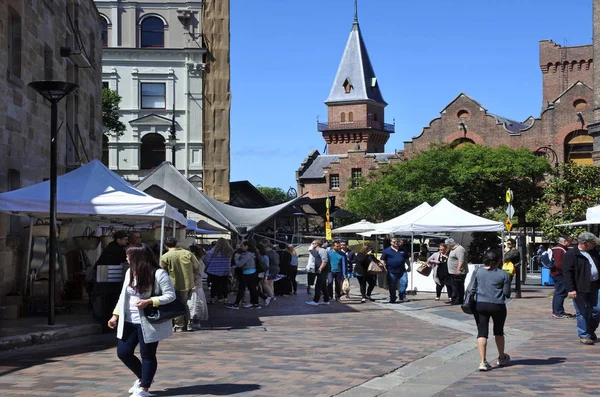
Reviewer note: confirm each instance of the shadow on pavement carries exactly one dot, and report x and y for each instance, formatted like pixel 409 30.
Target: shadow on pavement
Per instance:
pixel 538 361
pixel 220 389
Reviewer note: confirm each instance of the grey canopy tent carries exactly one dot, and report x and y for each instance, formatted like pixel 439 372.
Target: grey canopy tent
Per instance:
pixel 168 184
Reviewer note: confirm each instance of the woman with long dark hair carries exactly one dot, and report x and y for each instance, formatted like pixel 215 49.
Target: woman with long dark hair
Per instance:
pixel 133 328
pixel 218 268
pixel 492 285
pixel 361 270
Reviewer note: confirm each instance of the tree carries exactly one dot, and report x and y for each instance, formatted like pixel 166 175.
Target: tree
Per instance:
pixel 275 195
pixel 566 199
pixel 473 177
pixel 110 113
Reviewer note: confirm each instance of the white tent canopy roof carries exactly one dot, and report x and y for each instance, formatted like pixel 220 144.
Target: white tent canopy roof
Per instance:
pixel 400 222
pixel 93 192
pixel 592 217
pixel 357 227
pixel 447 217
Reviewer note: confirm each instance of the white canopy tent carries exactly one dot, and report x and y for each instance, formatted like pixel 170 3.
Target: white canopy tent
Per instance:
pixel 357 227
pixel 592 217
pixel 400 222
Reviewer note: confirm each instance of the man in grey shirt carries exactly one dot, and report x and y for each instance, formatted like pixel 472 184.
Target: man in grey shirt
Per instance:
pixel 457 269
pixel 318 257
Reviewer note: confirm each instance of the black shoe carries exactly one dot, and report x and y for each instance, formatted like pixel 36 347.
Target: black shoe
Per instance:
pixel 455 303
pixel 593 336
pixel 390 301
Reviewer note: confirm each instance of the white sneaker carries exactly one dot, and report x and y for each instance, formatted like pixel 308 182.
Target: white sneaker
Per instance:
pixel 134 387
pixel 324 303
pixel 248 306
pixel 267 301
pixel 273 299
pixel 140 393
pixel 312 303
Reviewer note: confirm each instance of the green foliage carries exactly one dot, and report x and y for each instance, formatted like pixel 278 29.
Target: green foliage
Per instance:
pixel 275 195
pixel 473 177
pixel 110 113
pixel 566 199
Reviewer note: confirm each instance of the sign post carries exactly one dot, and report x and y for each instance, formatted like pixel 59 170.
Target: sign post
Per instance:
pixel 510 212
pixel 327 223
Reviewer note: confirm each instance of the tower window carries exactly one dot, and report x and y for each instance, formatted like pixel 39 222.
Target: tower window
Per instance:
pixel 153 32
pixel 350 116
pixel 14 43
pixel 343 117
pixel 347 85
pixel 462 114
pixel 334 181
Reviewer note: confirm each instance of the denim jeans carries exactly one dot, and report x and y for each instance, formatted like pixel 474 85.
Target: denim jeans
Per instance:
pixel 588 312
pixel 402 286
pixel 560 293
pixel 393 281
pixel 145 369
pixel 338 279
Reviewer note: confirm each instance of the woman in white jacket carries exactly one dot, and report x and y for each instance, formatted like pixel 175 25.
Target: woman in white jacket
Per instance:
pixel 133 327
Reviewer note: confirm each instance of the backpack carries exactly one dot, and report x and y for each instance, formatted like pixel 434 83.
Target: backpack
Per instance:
pixel 546 259
pixel 261 265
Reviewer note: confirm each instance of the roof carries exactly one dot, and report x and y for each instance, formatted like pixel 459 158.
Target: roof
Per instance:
pixel 355 69
pixel 315 169
pixel 169 184
pixel 512 126
pixel 245 194
pixel 92 191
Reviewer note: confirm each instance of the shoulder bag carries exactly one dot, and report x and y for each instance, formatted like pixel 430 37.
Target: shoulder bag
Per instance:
pixel 166 312
pixel 424 269
pixel 375 268
pixel 470 301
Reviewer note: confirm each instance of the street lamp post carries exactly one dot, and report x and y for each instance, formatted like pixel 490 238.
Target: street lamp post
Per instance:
pixel 53 91
pixel 173 138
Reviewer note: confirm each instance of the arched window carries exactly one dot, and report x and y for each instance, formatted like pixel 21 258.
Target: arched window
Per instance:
pixel 105 150
pixel 152 151
pixel 460 142
pixel 343 117
pixel 578 147
pixel 104 32
pixel 350 117
pixel 152 32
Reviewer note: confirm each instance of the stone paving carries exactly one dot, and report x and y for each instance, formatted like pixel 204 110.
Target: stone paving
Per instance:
pixel 420 348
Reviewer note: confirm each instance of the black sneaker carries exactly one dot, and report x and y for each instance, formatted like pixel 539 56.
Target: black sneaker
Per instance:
pixel 232 306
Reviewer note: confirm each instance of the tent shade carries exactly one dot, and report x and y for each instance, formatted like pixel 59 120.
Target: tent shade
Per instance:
pixel 401 222
pixel 168 184
pixel 91 191
pixel 447 217
pixel 341 213
pixel 357 227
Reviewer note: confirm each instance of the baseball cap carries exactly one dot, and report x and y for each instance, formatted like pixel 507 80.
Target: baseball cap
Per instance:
pixel 450 241
pixel 269 245
pixel 587 236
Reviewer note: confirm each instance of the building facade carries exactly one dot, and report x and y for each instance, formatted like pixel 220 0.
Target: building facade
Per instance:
pixel 155 59
pixel 559 133
pixel 59 41
pixel 355 132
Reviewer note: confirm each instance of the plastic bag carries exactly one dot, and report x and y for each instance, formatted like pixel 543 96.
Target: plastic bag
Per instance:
pixel 197 304
pixel 509 268
pixel 346 286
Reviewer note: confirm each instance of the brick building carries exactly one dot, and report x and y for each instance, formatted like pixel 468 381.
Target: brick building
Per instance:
pixel 31 38
pixel 559 133
pixel 355 133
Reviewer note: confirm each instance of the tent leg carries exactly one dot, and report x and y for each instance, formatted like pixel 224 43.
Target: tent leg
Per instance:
pixel 174 228
pixel 412 259
pixel 162 236
pixel 28 257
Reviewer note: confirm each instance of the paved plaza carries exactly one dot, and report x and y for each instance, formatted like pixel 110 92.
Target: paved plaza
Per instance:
pixel 420 348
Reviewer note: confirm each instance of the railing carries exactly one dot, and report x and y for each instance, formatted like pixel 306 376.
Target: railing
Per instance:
pixel 354 125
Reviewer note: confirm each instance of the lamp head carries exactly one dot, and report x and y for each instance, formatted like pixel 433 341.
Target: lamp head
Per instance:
pixel 53 91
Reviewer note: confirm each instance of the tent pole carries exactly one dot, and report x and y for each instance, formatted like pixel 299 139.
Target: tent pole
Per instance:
pixel 174 223
pixel 28 257
pixel 412 256
pixel 162 236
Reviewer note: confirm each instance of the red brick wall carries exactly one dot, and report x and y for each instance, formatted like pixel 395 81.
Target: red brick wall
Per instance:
pixel 578 66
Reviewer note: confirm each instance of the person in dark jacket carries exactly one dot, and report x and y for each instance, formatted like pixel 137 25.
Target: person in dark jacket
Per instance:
pixel 581 271
pixel 560 292
pixel 361 270
pixel 114 253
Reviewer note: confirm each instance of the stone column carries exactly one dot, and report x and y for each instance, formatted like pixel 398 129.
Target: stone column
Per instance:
pixel 594 128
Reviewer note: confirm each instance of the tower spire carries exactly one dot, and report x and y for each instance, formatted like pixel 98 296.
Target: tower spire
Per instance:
pixel 356 12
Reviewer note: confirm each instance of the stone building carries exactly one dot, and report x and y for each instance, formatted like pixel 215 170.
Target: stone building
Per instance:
pixel 560 132
pixel 355 133
pixel 156 59
pixel 31 36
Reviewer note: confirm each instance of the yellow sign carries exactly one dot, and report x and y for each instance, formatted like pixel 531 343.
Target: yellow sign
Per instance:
pixel 508 224
pixel 328 231
pixel 327 203
pixel 327 215
pixel 509 196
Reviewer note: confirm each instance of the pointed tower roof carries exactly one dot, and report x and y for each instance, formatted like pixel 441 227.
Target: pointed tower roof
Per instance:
pixel 355 79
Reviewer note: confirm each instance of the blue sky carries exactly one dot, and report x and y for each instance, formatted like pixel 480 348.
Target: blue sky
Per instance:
pixel 284 55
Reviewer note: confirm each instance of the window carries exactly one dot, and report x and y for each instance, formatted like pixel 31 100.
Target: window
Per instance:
pixel 105 84
pixel 153 32
pixel 334 181
pixel 104 33
pixel 14 183
pixel 48 70
pixel 580 105
pixel 14 43
pixel 343 117
pixel 153 96
pixel 356 175
pixel 462 114
pixel 152 151
pixel 347 86
pixel 460 142
pixel 350 117
pixel 105 150
pixel 578 147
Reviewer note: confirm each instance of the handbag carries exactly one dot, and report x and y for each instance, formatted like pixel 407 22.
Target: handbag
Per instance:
pixel 509 268
pixel 470 300
pixel 166 312
pixel 375 267
pixel 424 270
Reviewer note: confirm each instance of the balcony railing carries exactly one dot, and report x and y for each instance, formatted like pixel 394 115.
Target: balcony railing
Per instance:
pixel 355 125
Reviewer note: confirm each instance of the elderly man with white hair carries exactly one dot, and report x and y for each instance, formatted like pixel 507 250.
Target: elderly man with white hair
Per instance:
pixel 457 269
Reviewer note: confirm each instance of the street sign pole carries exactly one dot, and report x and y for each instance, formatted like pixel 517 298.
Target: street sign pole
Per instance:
pixel 510 212
pixel 327 223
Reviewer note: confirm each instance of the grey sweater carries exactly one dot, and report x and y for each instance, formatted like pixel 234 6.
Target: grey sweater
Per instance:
pixel 492 286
